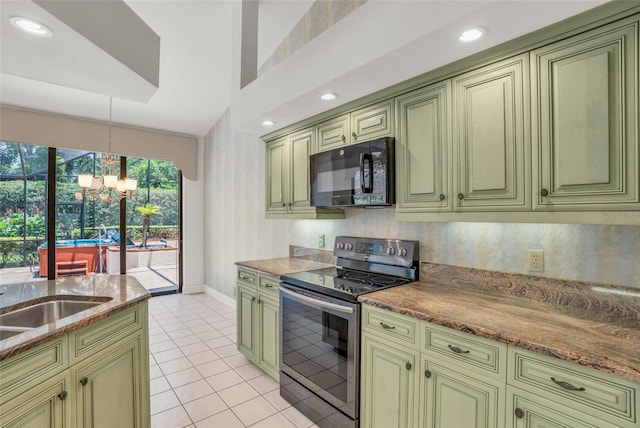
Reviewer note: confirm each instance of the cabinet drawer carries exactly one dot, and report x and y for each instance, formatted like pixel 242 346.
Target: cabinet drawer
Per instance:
pixel 587 390
pixel 29 369
pixel 247 276
pixel 470 352
pixel 104 333
pixel 399 328
pixel 268 285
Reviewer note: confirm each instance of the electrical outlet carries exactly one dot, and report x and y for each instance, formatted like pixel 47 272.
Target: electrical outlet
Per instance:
pixel 320 240
pixel 536 261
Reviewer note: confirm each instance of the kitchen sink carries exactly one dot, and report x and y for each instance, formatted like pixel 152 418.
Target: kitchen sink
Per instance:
pixel 7 332
pixel 41 314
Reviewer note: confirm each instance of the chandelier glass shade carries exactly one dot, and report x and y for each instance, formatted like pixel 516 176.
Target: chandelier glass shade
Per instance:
pixel 108 187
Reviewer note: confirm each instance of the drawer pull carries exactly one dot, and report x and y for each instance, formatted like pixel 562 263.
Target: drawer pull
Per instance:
pixel 84 381
pixel 566 385
pixel 457 350
pixel 427 374
pixel 63 395
pixel 519 413
pixel 246 278
pixel 387 326
pixel 408 366
pixel 268 285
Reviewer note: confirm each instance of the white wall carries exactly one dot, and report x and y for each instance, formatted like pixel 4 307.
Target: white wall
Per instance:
pixel 193 225
pixel 235 228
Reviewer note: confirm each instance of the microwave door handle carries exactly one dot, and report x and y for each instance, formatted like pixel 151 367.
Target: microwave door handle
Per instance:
pixel 370 173
pixel 317 302
pixel 362 186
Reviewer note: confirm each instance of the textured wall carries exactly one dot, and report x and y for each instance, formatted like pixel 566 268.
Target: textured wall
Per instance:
pixel 235 229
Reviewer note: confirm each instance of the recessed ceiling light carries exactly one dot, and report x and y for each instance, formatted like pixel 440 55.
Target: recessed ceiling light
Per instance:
pixel 268 123
pixel 328 96
pixel 472 34
pixel 30 26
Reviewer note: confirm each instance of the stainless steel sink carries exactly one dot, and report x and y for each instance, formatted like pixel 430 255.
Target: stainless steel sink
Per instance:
pixel 6 332
pixel 41 314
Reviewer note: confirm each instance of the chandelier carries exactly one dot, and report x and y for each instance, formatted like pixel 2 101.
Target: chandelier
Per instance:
pixel 107 187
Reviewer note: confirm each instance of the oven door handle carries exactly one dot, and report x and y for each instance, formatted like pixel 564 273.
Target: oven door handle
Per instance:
pixel 317 302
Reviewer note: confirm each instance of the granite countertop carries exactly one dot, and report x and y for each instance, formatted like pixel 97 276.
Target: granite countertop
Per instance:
pixel 596 327
pixel 282 266
pixel 116 292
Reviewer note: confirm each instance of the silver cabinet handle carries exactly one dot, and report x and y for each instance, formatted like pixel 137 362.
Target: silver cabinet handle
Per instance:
pixel 457 350
pixel 387 326
pixel 317 302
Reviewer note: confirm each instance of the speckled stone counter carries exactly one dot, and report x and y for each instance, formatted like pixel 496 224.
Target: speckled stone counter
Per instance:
pixel 114 292
pixel 281 266
pixel 590 324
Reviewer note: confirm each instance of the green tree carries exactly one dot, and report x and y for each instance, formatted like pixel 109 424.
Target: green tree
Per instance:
pixel 147 211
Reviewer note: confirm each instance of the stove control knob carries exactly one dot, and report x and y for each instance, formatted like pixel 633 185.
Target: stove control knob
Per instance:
pixel 340 245
pixel 349 246
pixel 391 251
pixel 403 252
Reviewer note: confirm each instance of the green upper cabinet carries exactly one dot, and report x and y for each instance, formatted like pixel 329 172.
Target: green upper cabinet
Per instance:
pixel 491 137
pixel 288 180
pixel 585 115
pixel 423 149
pixel 372 122
pixel 333 133
pixel 367 123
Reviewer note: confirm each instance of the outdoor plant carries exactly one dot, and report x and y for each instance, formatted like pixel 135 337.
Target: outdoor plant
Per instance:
pixel 147 210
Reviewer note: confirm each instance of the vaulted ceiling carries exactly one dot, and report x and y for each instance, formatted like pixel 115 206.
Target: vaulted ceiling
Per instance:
pixel 380 43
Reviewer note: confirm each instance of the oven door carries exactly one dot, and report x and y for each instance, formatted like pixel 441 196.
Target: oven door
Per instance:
pixel 319 345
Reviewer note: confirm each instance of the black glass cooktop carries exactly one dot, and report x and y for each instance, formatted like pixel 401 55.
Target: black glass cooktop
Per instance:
pixel 342 283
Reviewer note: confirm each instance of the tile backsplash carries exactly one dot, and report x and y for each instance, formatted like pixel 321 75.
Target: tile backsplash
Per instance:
pixel 235 228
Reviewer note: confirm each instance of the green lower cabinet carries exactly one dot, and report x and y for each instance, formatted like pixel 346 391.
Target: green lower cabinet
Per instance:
pixel 257 311
pixel 453 400
pixel 108 388
pixel 47 405
pixel 526 410
pixel 390 381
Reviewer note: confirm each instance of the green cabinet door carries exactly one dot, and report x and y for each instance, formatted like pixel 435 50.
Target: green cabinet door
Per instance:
pixel 268 321
pixel 333 133
pixel 374 121
pixel 47 405
pixel 452 399
pixel 246 319
pixel 492 137
pixel 389 384
pixel 423 149
pixel 276 176
pixel 109 391
pixel 585 115
pixel 300 146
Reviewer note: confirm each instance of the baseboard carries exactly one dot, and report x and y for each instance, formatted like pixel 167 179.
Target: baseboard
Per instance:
pixel 192 289
pixel 219 296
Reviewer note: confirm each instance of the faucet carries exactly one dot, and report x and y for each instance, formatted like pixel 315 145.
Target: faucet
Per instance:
pixel 100 229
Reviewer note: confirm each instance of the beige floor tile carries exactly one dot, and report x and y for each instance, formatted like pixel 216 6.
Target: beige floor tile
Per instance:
pixel 264 384
pixel 172 327
pixel 163 401
pixel 154 372
pixel 193 391
pixel 187 340
pixel 158 385
pixel 238 394
pixel 175 365
pixel 204 357
pixel 157 338
pixel 249 371
pixel 209 334
pixel 202 329
pixel 254 410
pixel 212 368
pixel 237 360
pixel 183 377
pixel 224 419
pixel 205 407
pixel 224 380
pixel 162 346
pixel 183 332
pixel 194 348
pixel 274 421
pixel 218 342
pixel 228 351
pixel 164 356
pixel 172 418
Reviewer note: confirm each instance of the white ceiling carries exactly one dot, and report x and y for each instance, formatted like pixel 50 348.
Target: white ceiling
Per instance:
pixel 381 43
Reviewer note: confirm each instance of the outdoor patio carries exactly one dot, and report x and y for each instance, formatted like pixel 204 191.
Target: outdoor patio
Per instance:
pixel 150 277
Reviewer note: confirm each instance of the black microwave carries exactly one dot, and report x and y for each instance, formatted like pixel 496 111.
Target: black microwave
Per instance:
pixel 359 175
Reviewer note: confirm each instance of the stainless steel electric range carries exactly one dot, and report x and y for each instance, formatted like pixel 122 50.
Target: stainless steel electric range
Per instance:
pixel 320 325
